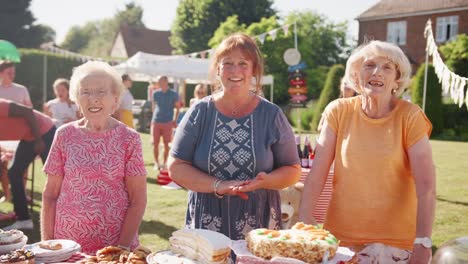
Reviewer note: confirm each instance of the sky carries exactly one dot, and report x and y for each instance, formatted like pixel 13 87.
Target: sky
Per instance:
pixel 61 15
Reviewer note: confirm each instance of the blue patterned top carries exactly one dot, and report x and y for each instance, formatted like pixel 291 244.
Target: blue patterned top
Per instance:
pixel 235 149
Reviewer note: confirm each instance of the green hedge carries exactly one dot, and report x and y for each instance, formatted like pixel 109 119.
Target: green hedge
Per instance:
pixel 30 72
pixel 433 96
pixel 330 92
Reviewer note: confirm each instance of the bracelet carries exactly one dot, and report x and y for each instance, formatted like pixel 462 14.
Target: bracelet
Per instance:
pixel 215 188
pixel 124 247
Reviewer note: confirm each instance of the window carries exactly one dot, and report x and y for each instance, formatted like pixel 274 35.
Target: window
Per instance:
pixel 446 28
pixel 396 32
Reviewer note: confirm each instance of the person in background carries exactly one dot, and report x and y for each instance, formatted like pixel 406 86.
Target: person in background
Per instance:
pixel 164 121
pixel 198 93
pixel 124 113
pixel 16 93
pixel 384 184
pixel 346 90
pixel 95 192
pixel 234 150
pixel 152 87
pixel 35 131
pixel 61 109
pixel 10 90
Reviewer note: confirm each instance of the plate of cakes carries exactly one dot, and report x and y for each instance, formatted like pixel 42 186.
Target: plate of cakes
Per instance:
pixel 194 246
pixel 54 250
pixel 300 244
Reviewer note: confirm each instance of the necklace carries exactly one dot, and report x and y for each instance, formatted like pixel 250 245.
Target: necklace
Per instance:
pixel 236 112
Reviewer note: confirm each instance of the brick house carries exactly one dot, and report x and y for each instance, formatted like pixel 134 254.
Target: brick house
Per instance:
pixel 130 40
pixel 403 21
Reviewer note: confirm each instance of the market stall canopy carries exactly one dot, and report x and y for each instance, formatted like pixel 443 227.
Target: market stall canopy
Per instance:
pixel 9 52
pixel 146 67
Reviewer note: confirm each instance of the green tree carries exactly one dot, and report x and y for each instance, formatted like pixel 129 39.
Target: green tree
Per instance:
pixel 197 20
pixel 330 92
pixel 95 38
pixel 17 25
pixel 433 96
pixel 456 54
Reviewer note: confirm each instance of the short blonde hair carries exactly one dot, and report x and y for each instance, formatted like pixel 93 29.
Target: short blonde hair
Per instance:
pixel 384 49
pixel 95 67
pixel 248 46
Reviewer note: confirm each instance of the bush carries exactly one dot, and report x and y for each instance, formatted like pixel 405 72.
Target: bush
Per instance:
pixel 330 92
pixel 433 96
pixel 455 122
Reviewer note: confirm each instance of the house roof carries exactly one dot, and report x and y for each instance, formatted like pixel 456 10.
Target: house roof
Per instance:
pixel 145 40
pixel 400 8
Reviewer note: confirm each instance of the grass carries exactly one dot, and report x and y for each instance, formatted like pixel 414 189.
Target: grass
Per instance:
pixel 165 211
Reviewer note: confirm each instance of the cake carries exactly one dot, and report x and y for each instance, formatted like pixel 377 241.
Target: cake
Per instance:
pixel 201 245
pixel 304 242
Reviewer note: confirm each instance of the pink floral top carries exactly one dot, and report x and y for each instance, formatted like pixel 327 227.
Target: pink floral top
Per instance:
pixel 93 200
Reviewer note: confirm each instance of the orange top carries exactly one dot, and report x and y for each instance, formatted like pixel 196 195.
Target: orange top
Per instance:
pixel 16 128
pixel 374 196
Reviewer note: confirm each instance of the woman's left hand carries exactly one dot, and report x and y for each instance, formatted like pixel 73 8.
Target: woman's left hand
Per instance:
pixel 420 255
pixel 257 183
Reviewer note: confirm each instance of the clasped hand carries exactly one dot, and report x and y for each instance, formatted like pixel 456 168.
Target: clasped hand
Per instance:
pixel 240 188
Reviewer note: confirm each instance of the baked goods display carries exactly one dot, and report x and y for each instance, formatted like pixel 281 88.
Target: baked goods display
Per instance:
pixel 204 246
pixel 304 242
pixel 115 255
pixel 18 256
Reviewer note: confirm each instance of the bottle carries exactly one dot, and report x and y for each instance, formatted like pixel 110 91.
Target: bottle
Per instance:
pixel 305 154
pixel 311 158
pixel 298 146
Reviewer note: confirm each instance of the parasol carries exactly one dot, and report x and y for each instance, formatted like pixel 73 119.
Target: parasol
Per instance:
pixel 9 52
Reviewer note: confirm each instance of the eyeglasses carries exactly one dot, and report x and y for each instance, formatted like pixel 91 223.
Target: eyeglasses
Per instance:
pixel 96 93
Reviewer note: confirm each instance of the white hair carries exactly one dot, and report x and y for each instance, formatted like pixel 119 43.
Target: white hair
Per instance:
pixel 95 67
pixel 384 49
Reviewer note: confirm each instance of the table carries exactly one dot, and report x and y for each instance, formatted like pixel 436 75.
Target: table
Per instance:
pixel 320 211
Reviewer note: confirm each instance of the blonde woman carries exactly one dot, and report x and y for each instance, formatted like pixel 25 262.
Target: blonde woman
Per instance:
pixel 384 184
pixel 95 191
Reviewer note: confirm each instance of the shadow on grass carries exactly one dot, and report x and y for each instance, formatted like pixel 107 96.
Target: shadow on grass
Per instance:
pixel 452 202
pixel 156 227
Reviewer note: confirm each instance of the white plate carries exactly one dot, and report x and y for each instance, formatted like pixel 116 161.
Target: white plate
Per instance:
pixel 58 258
pixel 67 247
pixel 168 256
pixel 4 249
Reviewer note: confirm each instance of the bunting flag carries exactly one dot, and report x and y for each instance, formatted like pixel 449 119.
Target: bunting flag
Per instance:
pixel 453 85
pixel 272 33
pixel 51 47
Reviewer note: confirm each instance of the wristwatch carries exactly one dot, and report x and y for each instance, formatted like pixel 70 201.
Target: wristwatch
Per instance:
pixel 424 241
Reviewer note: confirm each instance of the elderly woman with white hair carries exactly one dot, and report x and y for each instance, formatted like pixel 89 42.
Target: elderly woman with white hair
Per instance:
pixel 95 192
pixel 384 186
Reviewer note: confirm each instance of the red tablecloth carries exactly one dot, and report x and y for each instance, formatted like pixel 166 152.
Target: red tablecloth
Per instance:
pixel 320 210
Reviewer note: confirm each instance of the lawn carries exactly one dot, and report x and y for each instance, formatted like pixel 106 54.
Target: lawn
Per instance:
pixel 166 208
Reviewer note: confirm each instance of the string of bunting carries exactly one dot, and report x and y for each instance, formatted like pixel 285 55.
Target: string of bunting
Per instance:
pixel 272 33
pixel 452 83
pixel 50 46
